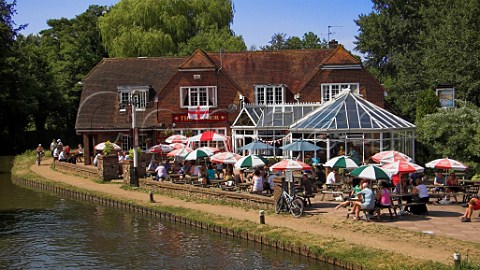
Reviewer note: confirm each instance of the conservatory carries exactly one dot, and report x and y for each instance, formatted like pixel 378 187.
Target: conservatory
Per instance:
pixel 347 124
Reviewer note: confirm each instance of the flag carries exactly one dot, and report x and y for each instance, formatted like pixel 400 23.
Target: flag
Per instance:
pixel 198 113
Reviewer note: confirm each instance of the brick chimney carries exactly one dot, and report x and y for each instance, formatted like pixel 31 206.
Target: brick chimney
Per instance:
pixel 332 44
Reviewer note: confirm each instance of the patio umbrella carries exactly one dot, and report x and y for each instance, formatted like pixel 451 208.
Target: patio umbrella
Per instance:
pixel 198 153
pixel 225 157
pixel 160 148
pixel 390 156
pixel 300 146
pixel 101 146
pixel 290 164
pixel 211 149
pixel 256 145
pixel 403 167
pixel 208 136
pixel 250 161
pixel 180 152
pixel 176 139
pixel 341 162
pixel 370 172
pixel 177 145
pixel 446 164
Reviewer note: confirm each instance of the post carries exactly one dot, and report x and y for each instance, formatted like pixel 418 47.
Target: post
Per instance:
pixel 457 260
pixel 261 213
pixel 151 196
pixel 134 179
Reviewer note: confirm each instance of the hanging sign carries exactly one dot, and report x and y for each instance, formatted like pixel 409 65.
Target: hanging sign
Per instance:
pixel 446 97
pixel 213 117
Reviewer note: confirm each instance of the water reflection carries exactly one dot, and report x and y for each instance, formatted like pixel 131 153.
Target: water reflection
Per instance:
pixel 39 230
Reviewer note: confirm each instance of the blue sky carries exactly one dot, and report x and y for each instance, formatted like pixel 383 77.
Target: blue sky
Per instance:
pixel 255 20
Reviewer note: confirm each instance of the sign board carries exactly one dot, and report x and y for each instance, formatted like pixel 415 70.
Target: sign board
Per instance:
pixel 288 176
pixel 213 117
pixel 446 97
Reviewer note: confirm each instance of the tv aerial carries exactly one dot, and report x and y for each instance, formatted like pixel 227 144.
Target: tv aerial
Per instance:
pixel 331 33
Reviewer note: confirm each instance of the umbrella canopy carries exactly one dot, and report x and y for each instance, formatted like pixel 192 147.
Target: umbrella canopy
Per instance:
pixel 180 152
pixel 390 156
pixel 176 139
pixel 250 161
pixel 290 164
pixel 403 167
pixel 208 136
pixel 446 164
pixel 256 145
pixel 300 146
pixel 370 172
pixel 341 162
pixel 101 146
pixel 177 145
pixel 211 149
pixel 198 153
pixel 160 148
pixel 225 157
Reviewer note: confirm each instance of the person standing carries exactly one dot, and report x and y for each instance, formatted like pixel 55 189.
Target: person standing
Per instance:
pixel 53 145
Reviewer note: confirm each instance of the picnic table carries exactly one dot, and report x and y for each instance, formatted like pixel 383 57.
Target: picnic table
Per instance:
pixel 217 182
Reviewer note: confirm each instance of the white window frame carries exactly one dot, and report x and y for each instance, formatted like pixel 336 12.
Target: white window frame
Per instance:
pixel 125 141
pixel 329 90
pixel 125 95
pixel 198 96
pixel 269 94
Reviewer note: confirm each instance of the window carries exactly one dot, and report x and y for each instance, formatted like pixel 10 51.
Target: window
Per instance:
pixel 138 93
pixel 269 94
pixel 125 142
pixel 198 96
pixel 329 91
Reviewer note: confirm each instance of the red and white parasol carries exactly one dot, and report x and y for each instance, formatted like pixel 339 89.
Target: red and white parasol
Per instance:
pixel 225 157
pixel 290 164
pixel 446 164
pixel 160 148
pixel 177 145
pixel 210 149
pixel 180 152
pixel 403 167
pixel 390 156
pixel 176 139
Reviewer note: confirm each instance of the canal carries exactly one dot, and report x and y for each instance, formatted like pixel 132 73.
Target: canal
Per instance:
pixel 44 231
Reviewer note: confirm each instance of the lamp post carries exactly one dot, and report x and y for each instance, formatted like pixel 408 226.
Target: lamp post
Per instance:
pixel 134 178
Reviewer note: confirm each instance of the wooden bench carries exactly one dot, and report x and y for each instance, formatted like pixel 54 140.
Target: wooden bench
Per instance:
pixel 228 188
pixel 306 198
pixel 334 193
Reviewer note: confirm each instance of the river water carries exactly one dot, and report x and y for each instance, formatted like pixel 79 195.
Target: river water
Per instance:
pixel 44 231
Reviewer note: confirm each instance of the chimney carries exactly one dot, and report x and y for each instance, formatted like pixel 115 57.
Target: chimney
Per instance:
pixel 332 44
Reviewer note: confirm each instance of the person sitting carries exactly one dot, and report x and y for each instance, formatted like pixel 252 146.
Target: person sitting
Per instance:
pixel 219 170
pixel 270 180
pixel 422 192
pixel 382 199
pixel 402 188
pixel 331 177
pixel 473 204
pixel 257 185
pixel 366 200
pixel 95 160
pixel 161 173
pixel 79 154
pixel 63 156
pixel 452 183
pixel 210 173
pixel 229 180
pixel 353 194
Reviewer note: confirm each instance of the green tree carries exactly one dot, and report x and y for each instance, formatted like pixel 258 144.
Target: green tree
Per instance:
pixel 427 103
pixel 166 27
pixel 453 133
pixel 280 41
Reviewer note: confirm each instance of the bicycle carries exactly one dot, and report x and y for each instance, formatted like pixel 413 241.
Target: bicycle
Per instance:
pixel 290 204
pixel 39 157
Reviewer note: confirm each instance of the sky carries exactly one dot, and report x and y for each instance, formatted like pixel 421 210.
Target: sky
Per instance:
pixel 255 20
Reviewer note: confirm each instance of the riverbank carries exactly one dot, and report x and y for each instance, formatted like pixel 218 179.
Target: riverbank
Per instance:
pixel 371 245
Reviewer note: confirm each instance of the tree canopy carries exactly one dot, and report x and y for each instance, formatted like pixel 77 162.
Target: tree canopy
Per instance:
pixel 280 41
pixel 168 27
pixel 418 44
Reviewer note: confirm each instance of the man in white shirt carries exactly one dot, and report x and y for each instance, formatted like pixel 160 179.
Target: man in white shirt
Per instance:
pixel 331 177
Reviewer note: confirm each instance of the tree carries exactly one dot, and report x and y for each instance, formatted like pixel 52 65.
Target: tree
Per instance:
pixel 166 27
pixel 427 103
pixel 453 133
pixel 280 41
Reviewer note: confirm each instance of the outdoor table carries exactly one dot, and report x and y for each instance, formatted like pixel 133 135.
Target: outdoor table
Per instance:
pixel 217 183
pixel 243 186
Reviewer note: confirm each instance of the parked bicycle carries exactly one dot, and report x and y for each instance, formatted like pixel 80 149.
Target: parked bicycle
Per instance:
pixel 289 203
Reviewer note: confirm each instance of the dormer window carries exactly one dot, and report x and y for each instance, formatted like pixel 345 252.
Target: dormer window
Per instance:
pixel 198 96
pixel 137 94
pixel 269 94
pixel 330 90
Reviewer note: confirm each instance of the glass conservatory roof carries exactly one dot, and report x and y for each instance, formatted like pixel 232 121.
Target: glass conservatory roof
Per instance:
pixel 273 115
pixel 348 112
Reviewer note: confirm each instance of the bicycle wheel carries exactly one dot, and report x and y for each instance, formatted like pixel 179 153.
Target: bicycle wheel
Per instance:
pixel 296 207
pixel 279 205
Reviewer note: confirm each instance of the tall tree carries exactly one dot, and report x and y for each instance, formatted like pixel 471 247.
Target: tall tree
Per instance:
pixel 166 27
pixel 280 41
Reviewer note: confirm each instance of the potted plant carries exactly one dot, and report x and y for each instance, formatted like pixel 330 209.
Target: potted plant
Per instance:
pixel 188 133
pixel 167 133
pixel 108 148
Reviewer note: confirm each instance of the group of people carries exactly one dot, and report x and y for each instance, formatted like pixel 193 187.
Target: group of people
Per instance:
pixel 63 153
